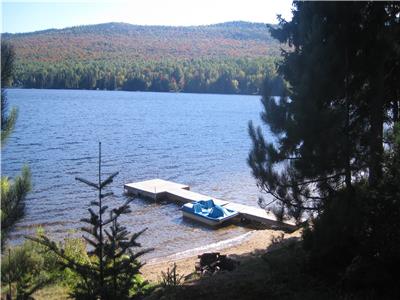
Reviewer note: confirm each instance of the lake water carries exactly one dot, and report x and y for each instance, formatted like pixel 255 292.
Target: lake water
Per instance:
pixel 196 139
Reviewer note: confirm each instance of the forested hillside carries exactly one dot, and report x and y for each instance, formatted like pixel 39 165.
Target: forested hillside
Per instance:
pixel 230 57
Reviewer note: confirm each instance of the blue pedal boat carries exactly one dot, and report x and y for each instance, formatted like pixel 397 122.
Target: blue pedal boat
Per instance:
pixel 206 211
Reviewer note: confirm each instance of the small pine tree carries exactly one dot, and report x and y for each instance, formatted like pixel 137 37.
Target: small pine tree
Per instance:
pixel 113 271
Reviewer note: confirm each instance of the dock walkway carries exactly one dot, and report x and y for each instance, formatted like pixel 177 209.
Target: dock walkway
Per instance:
pixel 158 189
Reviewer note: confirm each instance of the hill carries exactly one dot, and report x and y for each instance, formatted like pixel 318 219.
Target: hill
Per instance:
pixel 118 41
pixel 135 57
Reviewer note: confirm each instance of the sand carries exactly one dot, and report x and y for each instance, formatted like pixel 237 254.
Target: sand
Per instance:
pixel 252 243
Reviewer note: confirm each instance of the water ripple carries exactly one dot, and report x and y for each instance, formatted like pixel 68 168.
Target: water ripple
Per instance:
pixel 199 140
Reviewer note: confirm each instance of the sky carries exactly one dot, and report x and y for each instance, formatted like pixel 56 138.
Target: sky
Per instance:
pixel 27 16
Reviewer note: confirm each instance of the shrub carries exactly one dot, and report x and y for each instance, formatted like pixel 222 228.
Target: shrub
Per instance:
pixel 171 279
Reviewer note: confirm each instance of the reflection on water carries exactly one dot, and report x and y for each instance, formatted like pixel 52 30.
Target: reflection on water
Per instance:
pixel 195 139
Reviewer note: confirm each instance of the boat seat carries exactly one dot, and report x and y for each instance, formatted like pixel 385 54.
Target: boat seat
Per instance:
pixel 207 203
pixel 197 208
pixel 216 212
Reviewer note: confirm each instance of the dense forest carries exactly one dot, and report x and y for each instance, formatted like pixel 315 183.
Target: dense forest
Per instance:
pixel 232 57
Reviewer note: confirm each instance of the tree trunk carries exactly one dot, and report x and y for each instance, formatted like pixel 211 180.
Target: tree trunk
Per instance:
pixel 376 134
pixel 347 126
pixel 395 109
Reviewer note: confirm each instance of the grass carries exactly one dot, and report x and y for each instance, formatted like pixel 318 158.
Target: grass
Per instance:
pixel 52 292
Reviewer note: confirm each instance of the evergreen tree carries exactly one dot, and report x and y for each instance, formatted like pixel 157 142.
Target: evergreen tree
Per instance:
pixel 332 151
pixel 13 192
pixel 114 269
pixel 328 125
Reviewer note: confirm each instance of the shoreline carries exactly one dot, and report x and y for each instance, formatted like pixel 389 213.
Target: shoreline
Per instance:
pixel 251 243
pixel 120 90
pixel 232 242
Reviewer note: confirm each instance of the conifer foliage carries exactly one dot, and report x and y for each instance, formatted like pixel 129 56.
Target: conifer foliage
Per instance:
pixel 112 271
pixel 8 119
pixel 342 71
pixel 13 191
pixel 332 150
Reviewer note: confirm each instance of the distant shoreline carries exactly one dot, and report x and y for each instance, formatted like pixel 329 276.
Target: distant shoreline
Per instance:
pixel 170 92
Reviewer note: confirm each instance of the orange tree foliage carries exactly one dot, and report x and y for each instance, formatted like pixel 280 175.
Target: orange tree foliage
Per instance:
pixel 232 57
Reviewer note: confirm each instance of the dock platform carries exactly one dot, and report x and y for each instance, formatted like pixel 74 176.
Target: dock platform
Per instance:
pixel 159 189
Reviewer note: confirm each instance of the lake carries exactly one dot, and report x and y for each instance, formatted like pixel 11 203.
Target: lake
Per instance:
pixel 196 139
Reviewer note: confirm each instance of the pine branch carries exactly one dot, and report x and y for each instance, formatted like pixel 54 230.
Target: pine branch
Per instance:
pixel 13 196
pixel 109 235
pixel 38 287
pixel 310 181
pixel 115 213
pixel 91 242
pixel 103 209
pixel 8 123
pixel 137 234
pixel 140 253
pixel 287 202
pixel 108 180
pixel 106 195
pixel 87 182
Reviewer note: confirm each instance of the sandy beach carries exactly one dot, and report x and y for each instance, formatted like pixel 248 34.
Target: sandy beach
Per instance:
pixel 251 243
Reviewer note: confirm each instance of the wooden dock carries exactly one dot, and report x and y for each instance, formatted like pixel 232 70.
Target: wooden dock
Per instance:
pixel 158 189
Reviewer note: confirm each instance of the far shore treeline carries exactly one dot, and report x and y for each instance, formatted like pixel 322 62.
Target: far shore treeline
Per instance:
pixel 231 58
